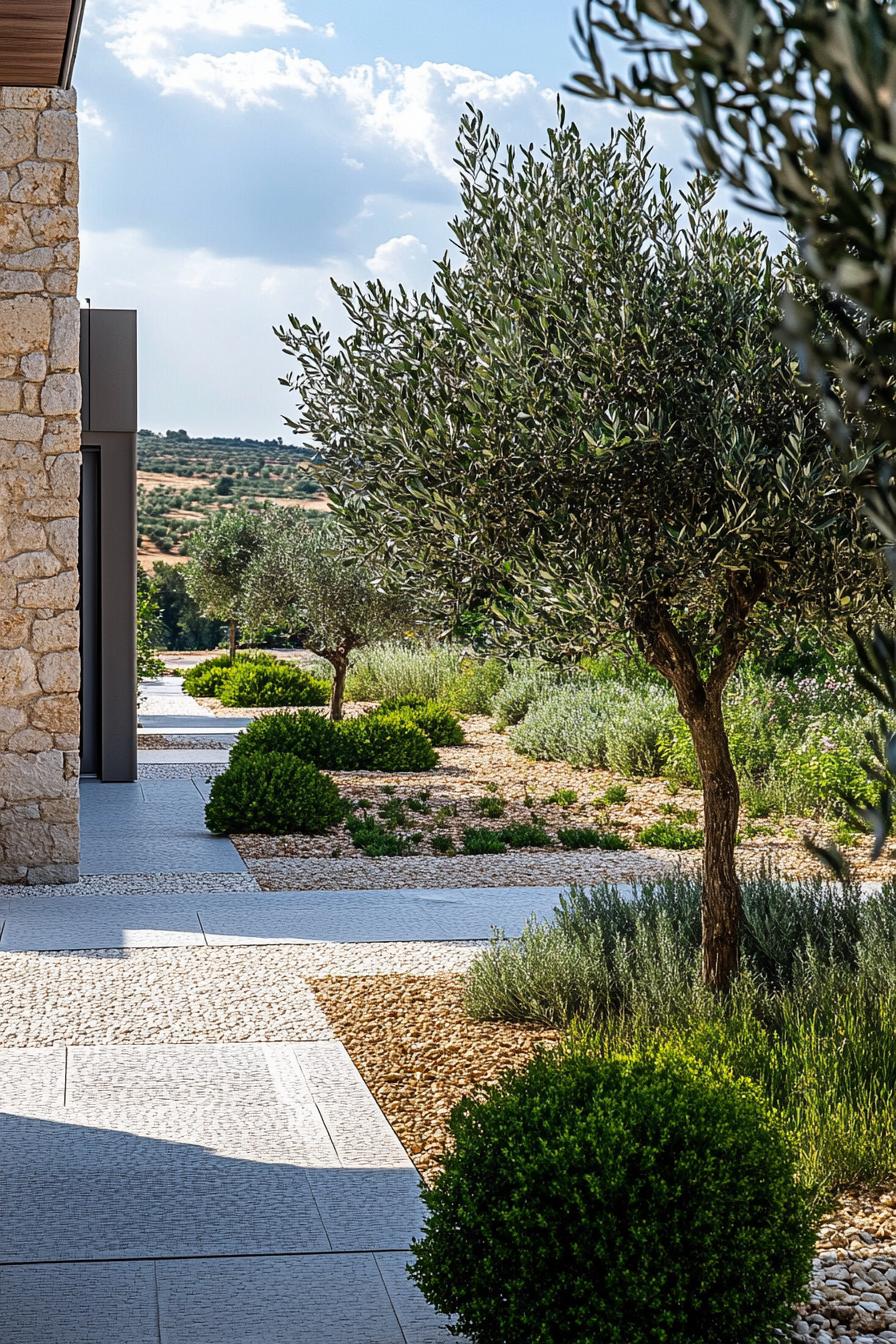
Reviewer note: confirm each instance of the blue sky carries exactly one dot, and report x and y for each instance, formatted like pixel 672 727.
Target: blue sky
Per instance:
pixel 237 153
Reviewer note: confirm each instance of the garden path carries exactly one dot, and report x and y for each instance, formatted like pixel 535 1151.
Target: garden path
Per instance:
pixel 188 1153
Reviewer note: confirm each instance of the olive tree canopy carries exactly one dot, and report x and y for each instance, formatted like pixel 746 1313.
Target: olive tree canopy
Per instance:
pixel 586 433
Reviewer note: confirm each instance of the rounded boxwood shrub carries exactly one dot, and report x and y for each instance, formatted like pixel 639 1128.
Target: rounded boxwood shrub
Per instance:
pixel 432 718
pixel 208 677
pixel 622 1200
pixel 310 736
pixel 273 793
pixel 265 684
pixel 384 742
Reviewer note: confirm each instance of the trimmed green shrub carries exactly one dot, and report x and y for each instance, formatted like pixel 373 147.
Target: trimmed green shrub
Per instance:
pixel 383 742
pixel 586 837
pixel 266 684
pixel 207 678
pixel 435 720
pixel 481 840
pixel 273 793
pixel 621 1200
pixel 525 835
pixel 671 834
pixel 311 737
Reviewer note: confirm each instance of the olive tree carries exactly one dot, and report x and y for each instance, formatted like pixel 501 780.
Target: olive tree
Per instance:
pixel 791 101
pixel 586 434
pixel 221 550
pixel 312 581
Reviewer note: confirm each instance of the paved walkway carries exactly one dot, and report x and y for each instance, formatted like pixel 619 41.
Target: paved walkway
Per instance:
pixel 187 1154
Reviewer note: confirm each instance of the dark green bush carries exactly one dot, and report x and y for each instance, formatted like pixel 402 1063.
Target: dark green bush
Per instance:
pixel 265 684
pixel 481 840
pixel 443 844
pixel 207 678
pixel 383 742
pixel 585 837
pixel 435 720
pixel 672 834
pixel 275 794
pixel 311 737
pixel 525 835
pixel 616 1201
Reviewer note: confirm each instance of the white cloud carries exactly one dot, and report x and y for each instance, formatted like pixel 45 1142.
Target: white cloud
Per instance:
pixel 403 260
pixel 244 78
pixel 90 115
pixel 144 35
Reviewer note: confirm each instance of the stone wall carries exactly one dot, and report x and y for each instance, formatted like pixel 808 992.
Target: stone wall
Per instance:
pixel 40 399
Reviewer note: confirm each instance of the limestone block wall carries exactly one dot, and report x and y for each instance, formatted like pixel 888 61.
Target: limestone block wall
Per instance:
pixel 40 399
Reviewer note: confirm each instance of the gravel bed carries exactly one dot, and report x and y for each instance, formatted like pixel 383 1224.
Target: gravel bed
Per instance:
pixel 181 769
pixel 519 869
pixel 140 884
pixel 853 1290
pixel 418 1051
pixel 181 742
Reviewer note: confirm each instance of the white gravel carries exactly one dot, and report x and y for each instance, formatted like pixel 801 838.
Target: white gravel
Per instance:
pixel 196 994
pixel 139 884
pixel 524 868
pixel 181 770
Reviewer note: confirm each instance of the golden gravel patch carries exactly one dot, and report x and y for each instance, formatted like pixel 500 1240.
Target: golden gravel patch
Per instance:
pixel 418 1051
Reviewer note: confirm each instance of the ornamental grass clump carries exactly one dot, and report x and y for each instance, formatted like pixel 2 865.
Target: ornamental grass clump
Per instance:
pixel 619 1200
pixel 273 793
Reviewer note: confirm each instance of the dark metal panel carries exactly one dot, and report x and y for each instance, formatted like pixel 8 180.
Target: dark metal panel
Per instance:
pixel 118 605
pixel 89 557
pixel 111 373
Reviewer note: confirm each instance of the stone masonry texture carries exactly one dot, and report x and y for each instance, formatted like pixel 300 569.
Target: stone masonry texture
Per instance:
pixel 40 400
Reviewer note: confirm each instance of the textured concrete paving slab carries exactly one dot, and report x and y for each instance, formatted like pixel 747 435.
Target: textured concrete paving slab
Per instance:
pixel 311 917
pixel 333 1299
pixel 31 1077
pixel 79 1304
pixel 173 1151
pixel 418 1321
pixel 184 756
pixel 152 826
pixel 58 923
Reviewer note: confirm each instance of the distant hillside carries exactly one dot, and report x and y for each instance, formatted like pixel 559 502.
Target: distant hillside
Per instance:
pixel 181 479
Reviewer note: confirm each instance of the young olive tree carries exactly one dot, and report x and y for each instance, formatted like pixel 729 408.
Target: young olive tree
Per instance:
pixel 311 580
pixel 791 101
pixel 221 551
pixel 586 434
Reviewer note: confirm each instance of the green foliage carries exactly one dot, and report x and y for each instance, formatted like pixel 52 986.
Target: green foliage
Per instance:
pixel 384 742
pixel 309 736
pixel 207 678
pixel 473 689
pixel 375 840
pixel 563 797
pixel 149 630
pixel 396 669
pixel 526 683
pixel 615 793
pixel 585 837
pixel 481 840
pixel 525 835
pixel 818 971
pixel 671 834
pixel 271 684
pixel 183 625
pixel 222 550
pixel 625 1200
pixel 432 718
pixel 442 844
pixel 606 723
pixel 275 794
pixel 490 806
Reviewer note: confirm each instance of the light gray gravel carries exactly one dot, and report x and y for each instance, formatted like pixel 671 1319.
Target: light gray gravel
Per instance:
pixel 494 870
pixel 140 884
pixel 197 994
pixel 181 770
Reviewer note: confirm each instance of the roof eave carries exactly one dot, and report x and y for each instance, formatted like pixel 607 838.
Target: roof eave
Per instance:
pixel 71 44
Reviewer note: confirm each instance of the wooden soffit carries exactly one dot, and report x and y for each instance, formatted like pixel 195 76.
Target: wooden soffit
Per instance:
pixel 38 40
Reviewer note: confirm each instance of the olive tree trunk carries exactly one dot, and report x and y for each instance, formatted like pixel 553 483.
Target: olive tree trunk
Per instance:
pixel 721 908
pixel 232 639
pixel 337 695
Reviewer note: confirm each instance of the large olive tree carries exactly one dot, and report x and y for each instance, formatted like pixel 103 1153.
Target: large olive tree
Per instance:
pixel 792 101
pixel 221 550
pixel 586 433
